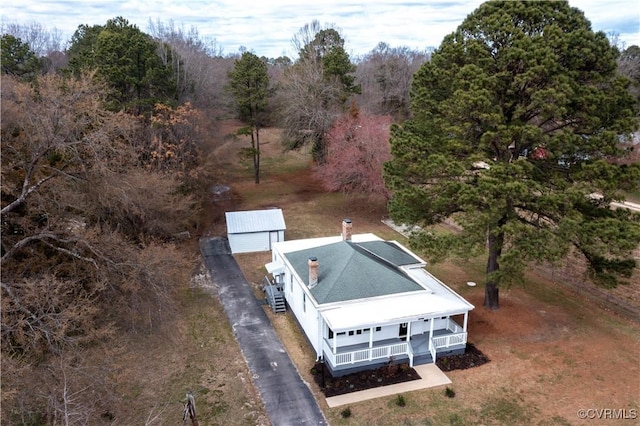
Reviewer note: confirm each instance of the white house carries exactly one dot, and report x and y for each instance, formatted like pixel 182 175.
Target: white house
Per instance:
pixel 254 230
pixel 363 301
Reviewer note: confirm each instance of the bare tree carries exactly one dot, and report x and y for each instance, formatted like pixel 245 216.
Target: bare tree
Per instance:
pixel 62 390
pixel 198 62
pixel 315 89
pixel 308 104
pixel 54 134
pixel 73 205
pixel 55 131
pixel 139 203
pixel 385 76
pixel 306 34
pixel 173 140
pixel 41 40
pixel 87 244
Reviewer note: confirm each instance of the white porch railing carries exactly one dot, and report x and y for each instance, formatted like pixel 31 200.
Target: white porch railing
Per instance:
pixel 453 326
pixel 448 340
pixel 368 354
pixel 456 338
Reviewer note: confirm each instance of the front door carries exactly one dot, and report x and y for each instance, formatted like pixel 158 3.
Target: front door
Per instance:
pixel 402 331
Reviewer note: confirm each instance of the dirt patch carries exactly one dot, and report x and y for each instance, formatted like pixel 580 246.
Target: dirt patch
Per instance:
pixel 388 375
pixel 472 357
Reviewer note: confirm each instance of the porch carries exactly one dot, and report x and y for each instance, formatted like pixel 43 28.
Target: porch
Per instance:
pixel 358 357
pixel 420 349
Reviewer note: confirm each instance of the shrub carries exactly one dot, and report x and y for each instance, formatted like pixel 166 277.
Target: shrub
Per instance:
pixel 450 393
pixel 346 413
pixel 400 401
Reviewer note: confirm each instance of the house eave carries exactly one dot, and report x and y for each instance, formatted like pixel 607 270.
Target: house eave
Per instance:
pixel 393 309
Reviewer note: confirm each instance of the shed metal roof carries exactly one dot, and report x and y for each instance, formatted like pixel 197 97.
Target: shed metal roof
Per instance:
pixel 255 221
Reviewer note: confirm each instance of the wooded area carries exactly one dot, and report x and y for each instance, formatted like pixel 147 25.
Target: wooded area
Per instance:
pixel 104 142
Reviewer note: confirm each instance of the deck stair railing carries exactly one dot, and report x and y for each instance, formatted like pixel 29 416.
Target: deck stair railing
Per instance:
pixel 274 296
pixel 432 350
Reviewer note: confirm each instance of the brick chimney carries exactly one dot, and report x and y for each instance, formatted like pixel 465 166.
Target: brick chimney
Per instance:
pixel 346 229
pixel 313 272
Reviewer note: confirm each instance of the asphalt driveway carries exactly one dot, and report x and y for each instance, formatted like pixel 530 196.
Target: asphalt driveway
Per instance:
pixel 287 399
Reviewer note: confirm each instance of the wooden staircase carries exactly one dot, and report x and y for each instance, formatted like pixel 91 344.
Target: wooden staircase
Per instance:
pixel 277 303
pixel 274 296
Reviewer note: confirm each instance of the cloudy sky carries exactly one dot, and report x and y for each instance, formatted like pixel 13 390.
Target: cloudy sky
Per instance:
pixel 266 27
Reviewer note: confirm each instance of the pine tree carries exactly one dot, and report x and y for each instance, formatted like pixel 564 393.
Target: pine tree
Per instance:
pixel 249 85
pixel 516 121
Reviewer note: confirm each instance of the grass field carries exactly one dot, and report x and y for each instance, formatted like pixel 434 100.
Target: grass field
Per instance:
pixel 552 353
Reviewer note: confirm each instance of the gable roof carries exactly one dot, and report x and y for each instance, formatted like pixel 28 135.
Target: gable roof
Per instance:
pixel 350 271
pixel 255 221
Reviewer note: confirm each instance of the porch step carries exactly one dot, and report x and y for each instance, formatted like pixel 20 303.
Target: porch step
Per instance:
pixel 274 296
pixel 278 304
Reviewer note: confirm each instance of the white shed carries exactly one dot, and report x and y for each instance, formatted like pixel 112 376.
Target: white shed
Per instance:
pixel 254 230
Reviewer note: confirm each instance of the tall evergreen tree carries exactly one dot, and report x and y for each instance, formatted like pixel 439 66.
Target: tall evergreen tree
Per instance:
pixel 18 59
pixel 249 85
pixel 127 59
pixel 327 49
pixel 517 118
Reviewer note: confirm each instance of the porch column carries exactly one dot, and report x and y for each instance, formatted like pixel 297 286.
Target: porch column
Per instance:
pixel 466 319
pixel 335 342
pixel 409 351
pixel 431 321
pixel 370 342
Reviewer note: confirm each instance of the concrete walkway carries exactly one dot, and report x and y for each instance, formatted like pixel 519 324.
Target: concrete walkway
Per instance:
pixel 430 376
pixel 287 399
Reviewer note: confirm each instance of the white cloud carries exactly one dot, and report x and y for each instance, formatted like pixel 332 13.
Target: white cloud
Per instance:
pixel 268 27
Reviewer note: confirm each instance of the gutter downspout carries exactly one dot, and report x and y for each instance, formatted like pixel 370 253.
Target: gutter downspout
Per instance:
pixel 321 327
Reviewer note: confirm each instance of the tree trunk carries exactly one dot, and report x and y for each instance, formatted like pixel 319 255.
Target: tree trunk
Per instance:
pixel 495 241
pixel 491 300
pixel 256 157
pixel 320 149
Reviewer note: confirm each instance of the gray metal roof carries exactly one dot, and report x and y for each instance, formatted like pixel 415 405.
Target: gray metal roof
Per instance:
pixel 351 271
pixel 255 221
